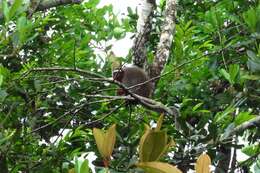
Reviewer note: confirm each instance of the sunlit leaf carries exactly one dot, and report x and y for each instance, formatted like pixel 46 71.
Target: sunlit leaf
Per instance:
pixel 105 141
pixel 243 117
pixel 226 75
pixel 15 6
pixel 5 9
pixel 110 139
pixel 84 167
pixel 159 123
pixel 202 164
pixel 158 167
pixel 99 136
pixel 251 150
pixel 1 79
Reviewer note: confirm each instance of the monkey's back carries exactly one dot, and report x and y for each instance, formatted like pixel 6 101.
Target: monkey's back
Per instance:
pixel 134 75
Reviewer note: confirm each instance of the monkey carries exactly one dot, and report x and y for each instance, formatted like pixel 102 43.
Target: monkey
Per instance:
pixel 130 76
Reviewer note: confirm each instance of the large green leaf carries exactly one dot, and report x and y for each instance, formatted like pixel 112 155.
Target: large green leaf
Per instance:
pixel 152 145
pixel 15 7
pixel 158 167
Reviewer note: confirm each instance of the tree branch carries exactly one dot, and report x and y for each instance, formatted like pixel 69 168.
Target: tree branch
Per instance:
pixel 65 69
pixel 251 123
pixel 146 102
pixel 46 4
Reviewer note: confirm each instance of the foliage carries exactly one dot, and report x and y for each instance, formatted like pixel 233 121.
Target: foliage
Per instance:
pixel 47 117
pixel 152 141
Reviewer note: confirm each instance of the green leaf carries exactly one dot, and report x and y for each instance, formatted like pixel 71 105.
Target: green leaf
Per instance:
pixel 222 115
pixel 84 167
pixel 118 32
pixel 7 137
pixel 77 165
pixel 257 166
pixel 251 150
pixel 253 62
pixel 251 19
pixel 23 29
pixel 234 72
pixel 152 145
pixel 16 5
pixel 1 80
pixel 5 9
pixel 243 117
pixel 227 132
pixel 197 106
pixel 226 75
pixel 3 95
pixel 91 3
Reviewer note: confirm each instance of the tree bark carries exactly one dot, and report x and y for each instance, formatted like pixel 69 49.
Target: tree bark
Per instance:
pixel 144 25
pixel 166 38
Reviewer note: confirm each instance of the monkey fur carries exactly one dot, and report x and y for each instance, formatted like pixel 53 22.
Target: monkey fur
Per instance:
pixel 130 76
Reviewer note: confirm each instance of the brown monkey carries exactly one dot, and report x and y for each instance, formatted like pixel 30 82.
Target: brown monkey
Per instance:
pixel 130 76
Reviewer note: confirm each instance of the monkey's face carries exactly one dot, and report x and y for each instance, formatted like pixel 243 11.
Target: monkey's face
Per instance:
pixel 118 75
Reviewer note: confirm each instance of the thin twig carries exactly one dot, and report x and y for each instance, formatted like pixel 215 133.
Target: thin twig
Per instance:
pixel 106 115
pixel 76 109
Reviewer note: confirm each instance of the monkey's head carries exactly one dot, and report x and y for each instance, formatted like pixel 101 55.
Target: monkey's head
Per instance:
pixel 118 75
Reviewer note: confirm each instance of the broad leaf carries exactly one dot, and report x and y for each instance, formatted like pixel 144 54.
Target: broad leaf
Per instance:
pixel 99 136
pixel 203 163
pixel 158 167
pixel 105 141
pixel 159 123
pixel 16 5
pixel 152 145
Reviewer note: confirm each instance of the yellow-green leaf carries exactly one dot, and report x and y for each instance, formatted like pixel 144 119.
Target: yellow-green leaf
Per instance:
pixel 152 145
pixel 159 123
pixel 203 163
pixel 167 146
pixel 99 136
pixel 158 167
pixel 105 141
pixel 146 127
pixel 72 170
pixel 110 139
